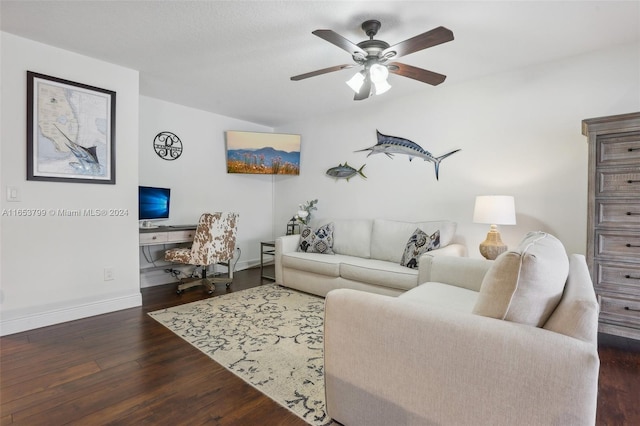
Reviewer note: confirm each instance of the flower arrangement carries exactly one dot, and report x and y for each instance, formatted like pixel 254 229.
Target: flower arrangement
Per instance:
pixel 304 211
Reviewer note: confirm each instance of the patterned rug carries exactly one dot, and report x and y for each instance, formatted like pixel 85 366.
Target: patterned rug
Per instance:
pixel 270 336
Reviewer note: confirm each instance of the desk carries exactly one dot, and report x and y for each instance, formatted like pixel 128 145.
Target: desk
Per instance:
pixel 268 248
pixel 167 235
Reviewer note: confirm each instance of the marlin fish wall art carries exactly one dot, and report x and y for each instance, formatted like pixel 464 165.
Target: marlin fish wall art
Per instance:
pixel 390 145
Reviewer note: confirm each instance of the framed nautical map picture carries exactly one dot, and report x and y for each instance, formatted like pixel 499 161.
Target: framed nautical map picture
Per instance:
pixel 70 131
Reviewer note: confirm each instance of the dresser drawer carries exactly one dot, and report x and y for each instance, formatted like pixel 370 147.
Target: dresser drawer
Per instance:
pixel 180 236
pixel 620 311
pixel 147 238
pixel 618 243
pixel 621 181
pixel 619 149
pixel 618 278
pixel 625 213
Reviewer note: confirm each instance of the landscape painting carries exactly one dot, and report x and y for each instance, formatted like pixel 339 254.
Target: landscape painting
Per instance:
pixel 263 153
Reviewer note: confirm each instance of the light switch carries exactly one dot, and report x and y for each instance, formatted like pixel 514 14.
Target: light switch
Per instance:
pixel 13 193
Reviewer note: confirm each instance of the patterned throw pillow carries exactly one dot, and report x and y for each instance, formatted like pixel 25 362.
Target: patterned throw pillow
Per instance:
pixel 320 241
pixel 419 243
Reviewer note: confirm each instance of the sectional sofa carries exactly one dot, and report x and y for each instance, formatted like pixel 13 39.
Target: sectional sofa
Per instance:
pixel 510 342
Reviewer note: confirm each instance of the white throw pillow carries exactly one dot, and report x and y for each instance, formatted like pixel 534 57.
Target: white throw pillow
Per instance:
pixel 524 285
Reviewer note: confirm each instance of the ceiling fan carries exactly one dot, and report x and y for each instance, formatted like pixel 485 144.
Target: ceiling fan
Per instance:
pixel 374 55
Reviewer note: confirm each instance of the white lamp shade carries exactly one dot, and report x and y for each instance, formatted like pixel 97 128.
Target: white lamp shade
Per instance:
pixel 495 210
pixel 356 81
pixel 378 73
pixel 381 87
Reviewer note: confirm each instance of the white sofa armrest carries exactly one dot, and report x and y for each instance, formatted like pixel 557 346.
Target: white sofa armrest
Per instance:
pixel 284 244
pixel 388 361
pixel 455 249
pixel 462 272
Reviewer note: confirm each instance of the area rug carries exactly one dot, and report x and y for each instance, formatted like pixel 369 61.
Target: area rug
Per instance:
pixel 269 336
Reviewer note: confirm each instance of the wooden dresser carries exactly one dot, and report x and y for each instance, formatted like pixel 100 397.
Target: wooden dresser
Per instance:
pixel 613 221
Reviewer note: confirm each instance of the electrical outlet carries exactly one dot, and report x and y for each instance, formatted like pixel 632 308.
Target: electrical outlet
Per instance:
pixel 109 273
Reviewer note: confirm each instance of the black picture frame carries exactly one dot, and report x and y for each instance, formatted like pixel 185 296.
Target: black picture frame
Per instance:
pixel 70 131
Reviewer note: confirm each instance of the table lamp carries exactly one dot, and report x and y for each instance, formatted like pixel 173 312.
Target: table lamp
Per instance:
pixel 494 210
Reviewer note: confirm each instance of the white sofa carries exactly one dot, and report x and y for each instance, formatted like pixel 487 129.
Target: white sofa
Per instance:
pixel 510 342
pixel 367 257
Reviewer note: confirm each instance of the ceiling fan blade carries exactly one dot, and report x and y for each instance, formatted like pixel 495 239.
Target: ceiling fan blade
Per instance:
pixel 322 71
pixel 416 73
pixel 365 90
pixel 344 44
pixel 430 38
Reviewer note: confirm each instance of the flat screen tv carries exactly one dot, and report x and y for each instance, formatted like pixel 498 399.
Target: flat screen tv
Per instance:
pixel 153 203
pixel 262 153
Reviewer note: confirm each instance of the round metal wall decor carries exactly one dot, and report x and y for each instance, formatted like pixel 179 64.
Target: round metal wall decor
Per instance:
pixel 167 145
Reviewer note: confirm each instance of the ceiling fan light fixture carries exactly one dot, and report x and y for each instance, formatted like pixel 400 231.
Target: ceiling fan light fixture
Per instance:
pixel 378 73
pixel 381 86
pixel 356 81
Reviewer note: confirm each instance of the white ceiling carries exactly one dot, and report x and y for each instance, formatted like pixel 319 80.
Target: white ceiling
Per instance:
pixel 235 58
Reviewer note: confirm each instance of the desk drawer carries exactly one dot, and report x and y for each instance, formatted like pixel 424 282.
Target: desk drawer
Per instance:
pixel 618 213
pixel 147 238
pixel 180 236
pixel 620 311
pixel 626 245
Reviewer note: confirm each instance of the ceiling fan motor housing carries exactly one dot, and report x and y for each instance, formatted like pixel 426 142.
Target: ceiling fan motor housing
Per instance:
pixel 371 27
pixel 373 47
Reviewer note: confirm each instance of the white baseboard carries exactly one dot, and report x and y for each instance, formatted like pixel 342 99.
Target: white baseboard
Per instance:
pixel 60 315
pixel 150 278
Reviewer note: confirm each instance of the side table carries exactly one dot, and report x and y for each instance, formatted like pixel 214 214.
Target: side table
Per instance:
pixel 266 248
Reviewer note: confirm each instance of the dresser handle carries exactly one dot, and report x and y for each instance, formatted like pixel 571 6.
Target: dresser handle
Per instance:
pixel 626 308
pixel 633 214
pixel 633 181
pixel 631 245
pixel 632 278
pixel 633 149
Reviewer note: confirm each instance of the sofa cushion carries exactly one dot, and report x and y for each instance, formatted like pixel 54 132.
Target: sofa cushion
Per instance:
pixel 350 236
pixel 316 241
pixel 442 295
pixel 378 272
pixel 389 237
pixel 313 262
pixel 525 285
pixel 419 243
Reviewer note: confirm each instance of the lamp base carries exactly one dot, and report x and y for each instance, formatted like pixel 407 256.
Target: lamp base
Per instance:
pixel 493 246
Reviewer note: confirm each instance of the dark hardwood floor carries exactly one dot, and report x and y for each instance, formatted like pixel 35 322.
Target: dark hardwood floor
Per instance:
pixel 125 368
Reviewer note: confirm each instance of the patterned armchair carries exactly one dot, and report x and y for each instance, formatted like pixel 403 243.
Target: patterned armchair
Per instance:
pixel 213 243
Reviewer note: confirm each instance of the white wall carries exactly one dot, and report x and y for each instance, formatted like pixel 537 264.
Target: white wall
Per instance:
pixel 520 134
pixel 53 267
pixel 198 178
